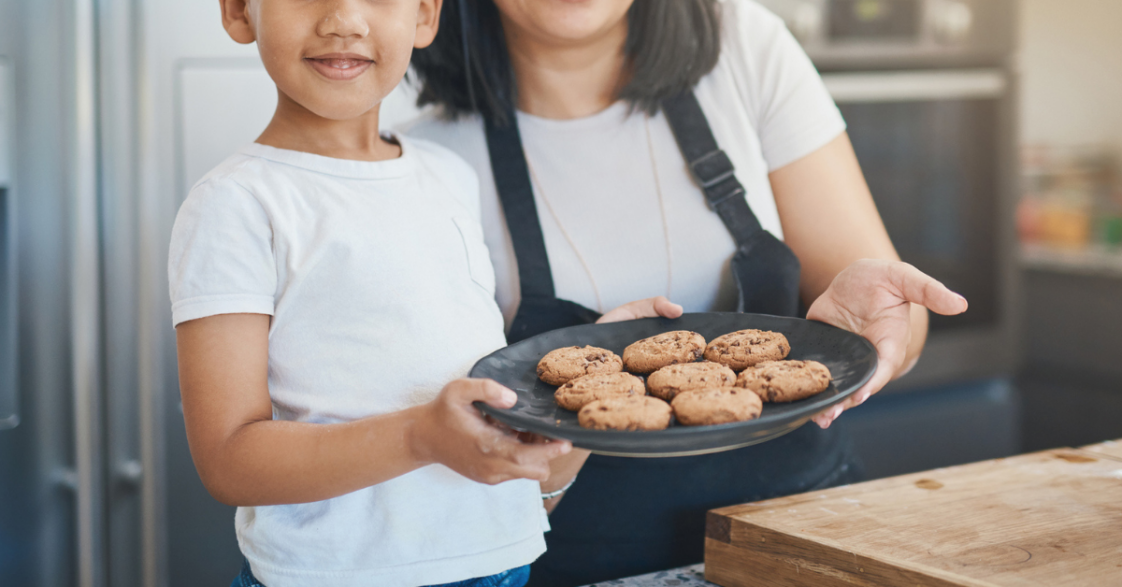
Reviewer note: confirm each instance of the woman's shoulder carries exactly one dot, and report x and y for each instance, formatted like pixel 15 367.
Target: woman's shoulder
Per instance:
pixel 462 137
pixel 444 148
pixel 761 64
pixel 744 16
pixel 751 33
pixel 433 127
pixel 433 151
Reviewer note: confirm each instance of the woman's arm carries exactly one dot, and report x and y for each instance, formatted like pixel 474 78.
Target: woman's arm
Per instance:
pixel 244 457
pixel 851 271
pixel 830 222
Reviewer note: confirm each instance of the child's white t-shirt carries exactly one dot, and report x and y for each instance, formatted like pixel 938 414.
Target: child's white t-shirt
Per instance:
pixel 381 291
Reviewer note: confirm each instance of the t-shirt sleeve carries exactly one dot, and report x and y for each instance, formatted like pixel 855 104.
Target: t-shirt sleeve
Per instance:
pixel 795 114
pixel 221 259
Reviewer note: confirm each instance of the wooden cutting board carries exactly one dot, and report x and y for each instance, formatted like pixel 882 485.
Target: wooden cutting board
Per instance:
pixel 1112 449
pixel 1046 519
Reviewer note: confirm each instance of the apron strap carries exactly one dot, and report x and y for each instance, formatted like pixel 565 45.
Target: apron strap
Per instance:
pixel 710 166
pixel 516 193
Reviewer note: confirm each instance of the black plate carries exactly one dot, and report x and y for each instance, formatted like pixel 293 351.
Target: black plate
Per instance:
pixel 850 358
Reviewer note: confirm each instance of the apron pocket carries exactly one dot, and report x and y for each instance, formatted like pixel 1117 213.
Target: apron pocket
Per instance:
pixel 478 256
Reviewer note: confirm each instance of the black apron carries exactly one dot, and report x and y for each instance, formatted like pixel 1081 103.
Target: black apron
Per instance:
pixel 629 516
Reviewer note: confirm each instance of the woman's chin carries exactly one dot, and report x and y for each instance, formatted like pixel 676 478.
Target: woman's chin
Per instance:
pixel 571 21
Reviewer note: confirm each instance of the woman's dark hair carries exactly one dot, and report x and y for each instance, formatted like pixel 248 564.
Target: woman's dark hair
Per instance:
pixel 670 45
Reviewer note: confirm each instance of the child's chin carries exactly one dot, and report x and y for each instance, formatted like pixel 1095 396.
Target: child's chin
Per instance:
pixel 336 111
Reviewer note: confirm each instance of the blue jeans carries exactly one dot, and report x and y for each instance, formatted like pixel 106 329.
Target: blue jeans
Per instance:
pixel 512 578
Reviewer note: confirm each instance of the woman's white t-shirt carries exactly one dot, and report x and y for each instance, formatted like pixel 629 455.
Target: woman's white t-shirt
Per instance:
pixel 621 216
pixel 381 292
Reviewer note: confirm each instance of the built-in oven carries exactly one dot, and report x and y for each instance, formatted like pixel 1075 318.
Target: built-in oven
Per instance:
pixel 929 96
pixel 935 149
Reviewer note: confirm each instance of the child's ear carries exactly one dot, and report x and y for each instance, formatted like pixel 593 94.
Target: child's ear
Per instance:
pixel 235 17
pixel 428 22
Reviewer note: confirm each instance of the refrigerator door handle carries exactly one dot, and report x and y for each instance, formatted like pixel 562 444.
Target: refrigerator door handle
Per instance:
pixel 916 86
pixel 9 383
pixel 9 289
pixel 85 305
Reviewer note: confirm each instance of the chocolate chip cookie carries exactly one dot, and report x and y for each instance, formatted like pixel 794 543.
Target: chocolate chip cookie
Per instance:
pixel 721 405
pixel 562 365
pixel 627 412
pixel 582 391
pixel 669 348
pixel 744 348
pixel 785 381
pixel 668 382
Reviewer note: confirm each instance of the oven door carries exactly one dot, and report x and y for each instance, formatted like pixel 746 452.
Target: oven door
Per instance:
pixel 935 149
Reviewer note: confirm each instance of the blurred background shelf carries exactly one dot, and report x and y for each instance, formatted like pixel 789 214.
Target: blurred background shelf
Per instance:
pixel 1098 261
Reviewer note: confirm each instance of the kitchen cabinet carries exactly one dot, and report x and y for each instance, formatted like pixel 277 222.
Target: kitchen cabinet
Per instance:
pixel 1070 379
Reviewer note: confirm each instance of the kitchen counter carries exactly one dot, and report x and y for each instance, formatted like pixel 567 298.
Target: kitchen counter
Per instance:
pixel 1049 519
pixel 692 576
pixel 1046 518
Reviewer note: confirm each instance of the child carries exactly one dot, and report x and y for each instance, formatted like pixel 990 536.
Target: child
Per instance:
pixel 327 284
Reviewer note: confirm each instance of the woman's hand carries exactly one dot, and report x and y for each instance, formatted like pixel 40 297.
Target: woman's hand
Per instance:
pixel 648 308
pixel 452 432
pixel 875 298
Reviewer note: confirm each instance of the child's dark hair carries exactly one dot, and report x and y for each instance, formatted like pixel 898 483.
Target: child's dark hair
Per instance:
pixel 670 45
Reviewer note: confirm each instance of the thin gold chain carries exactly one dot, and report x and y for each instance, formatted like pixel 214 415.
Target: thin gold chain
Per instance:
pixel 573 245
pixel 565 233
pixel 661 208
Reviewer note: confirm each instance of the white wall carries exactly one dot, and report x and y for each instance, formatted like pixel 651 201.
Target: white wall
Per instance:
pixel 1071 62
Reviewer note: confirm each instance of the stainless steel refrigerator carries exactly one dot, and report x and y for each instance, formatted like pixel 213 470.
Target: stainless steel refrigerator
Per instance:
pixel 109 111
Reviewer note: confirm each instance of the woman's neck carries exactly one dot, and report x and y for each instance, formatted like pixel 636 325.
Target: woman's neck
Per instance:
pixel 567 80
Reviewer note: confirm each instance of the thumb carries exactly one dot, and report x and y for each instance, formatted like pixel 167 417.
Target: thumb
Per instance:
pixel 919 288
pixel 488 392
pixel 666 308
pixel 648 308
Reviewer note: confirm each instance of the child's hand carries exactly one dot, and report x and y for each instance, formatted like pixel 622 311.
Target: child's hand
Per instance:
pixel 452 432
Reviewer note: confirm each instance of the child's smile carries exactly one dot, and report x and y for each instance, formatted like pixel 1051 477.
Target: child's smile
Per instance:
pixel 336 59
pixel 340 66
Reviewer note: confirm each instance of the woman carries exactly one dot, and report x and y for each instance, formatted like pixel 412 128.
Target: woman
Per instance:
pixel 603 132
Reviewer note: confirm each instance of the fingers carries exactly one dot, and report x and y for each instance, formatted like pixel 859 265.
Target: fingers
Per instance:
pixel 826 418
pixel 919 288
pixel 666 308
pixel 511 459
pixel 467 391
pixel 880 378
pixel 532 460
pixel 541 453
pixel 459 436
pixel 648 308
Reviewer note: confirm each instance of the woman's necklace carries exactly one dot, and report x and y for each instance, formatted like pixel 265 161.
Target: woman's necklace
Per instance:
pixel 573 245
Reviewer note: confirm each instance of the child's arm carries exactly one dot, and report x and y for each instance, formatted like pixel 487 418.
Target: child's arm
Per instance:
pixel 246 458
